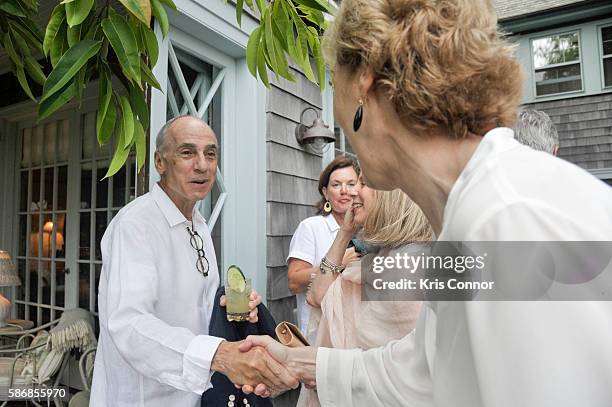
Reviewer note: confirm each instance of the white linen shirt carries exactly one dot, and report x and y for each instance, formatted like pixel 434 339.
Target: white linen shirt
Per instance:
pixel 155 308
pixel 311 242
pixel 502 354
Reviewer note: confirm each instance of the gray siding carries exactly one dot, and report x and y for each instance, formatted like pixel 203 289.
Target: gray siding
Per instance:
pixel 292 179
pixel 585 129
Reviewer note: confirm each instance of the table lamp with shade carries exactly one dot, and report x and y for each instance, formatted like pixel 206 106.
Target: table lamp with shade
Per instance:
pixel 8 278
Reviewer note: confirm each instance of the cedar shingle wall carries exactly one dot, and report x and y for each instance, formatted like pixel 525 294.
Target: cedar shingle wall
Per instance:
pixel 292 179
pixel 584 125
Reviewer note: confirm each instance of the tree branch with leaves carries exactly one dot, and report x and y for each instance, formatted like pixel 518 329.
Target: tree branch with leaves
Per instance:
pixel 84 42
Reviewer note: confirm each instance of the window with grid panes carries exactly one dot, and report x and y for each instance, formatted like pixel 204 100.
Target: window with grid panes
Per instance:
pixel 49 198
pixel 556 62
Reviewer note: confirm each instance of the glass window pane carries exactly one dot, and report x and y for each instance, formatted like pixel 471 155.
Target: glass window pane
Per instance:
pixel 84 285
pixel 555 49
pixel 558 80
pixel 606 33
pixel 23 235
pixel 607 47
pixel 47 235
pixel 119 188
pixel 86 177
pixel 23 190
pixel 84 236
pixel 101 186
pixel 48 187
pixel 608 71
pixel 62 187
pixel 60 238
pixel 100 229
pixel 97 283
pixel 34 235
pixel 132 182
pixel 21 271
pixel 46 282
pixel 60 283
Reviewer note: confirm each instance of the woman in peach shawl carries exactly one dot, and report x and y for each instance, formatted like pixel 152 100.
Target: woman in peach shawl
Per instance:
pixel 388 221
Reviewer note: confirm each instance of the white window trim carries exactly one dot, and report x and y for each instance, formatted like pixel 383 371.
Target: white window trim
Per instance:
pixel 533 68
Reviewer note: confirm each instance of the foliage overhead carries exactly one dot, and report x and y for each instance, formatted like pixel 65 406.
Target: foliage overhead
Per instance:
pixel 84 41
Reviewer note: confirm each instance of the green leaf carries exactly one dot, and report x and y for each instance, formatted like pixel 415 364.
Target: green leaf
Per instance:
pixel 250 4
pixel 23 81
pixel 261 66
pixel 318 56
pixel 30 34
pixel 57 100
pixel 239 6
pixel 171 4
pixel 77 11
pixel 261 6
pixel 281 62
pixel 141 9
pixel 121 154
pixel 69 64
pixel 13 7
pixel 139 106
pixel 21 43
pixel 162 17
pixel 127 120
pixel 105 95
pixel 316 4
pixel 108 125
pixel 10 50
pixel 269 41
pixel 135 26
pixel 34 70
pixel 150 40
pixel 57 18
pixel 123 41
pixel 251 51
pixel 141 144
pixel 148 76
pixel 74 34
pixel 59 45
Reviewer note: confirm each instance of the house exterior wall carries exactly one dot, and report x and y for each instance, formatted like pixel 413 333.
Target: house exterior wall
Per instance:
pixel 292 180
pixel 584 125
pixel 583 118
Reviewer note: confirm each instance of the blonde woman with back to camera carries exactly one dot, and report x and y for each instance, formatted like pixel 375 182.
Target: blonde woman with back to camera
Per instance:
pixel 427 92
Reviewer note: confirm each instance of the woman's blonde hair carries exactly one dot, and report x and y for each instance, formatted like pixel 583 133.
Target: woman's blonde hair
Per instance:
pixel 442 63
pixel 394 221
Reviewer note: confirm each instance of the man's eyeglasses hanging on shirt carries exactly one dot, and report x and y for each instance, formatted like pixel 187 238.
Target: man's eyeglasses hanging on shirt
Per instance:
pixel 198 244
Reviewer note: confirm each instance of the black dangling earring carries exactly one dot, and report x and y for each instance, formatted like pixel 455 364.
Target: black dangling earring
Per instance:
pixel 358 117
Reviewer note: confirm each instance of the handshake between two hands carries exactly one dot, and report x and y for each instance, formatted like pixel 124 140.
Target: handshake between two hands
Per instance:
pixel 261 365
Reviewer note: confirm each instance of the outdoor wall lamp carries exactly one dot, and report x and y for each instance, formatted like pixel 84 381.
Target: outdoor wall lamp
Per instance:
pixel 317 135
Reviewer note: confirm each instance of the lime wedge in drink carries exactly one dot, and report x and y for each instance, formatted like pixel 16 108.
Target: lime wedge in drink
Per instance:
pixel 235 279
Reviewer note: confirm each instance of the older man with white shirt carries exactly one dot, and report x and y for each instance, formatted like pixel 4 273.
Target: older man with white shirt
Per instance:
pixel 158 284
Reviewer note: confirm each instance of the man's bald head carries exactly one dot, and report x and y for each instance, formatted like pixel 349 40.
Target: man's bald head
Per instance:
pixel 162 140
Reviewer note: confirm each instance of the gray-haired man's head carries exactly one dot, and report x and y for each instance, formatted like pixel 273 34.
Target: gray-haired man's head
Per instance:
pixel 535 129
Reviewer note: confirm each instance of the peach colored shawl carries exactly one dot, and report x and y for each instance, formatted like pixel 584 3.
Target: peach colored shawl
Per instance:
pixel 345 322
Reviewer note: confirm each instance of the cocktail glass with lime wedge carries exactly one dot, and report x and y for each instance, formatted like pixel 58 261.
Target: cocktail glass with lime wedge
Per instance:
pixel 237 292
